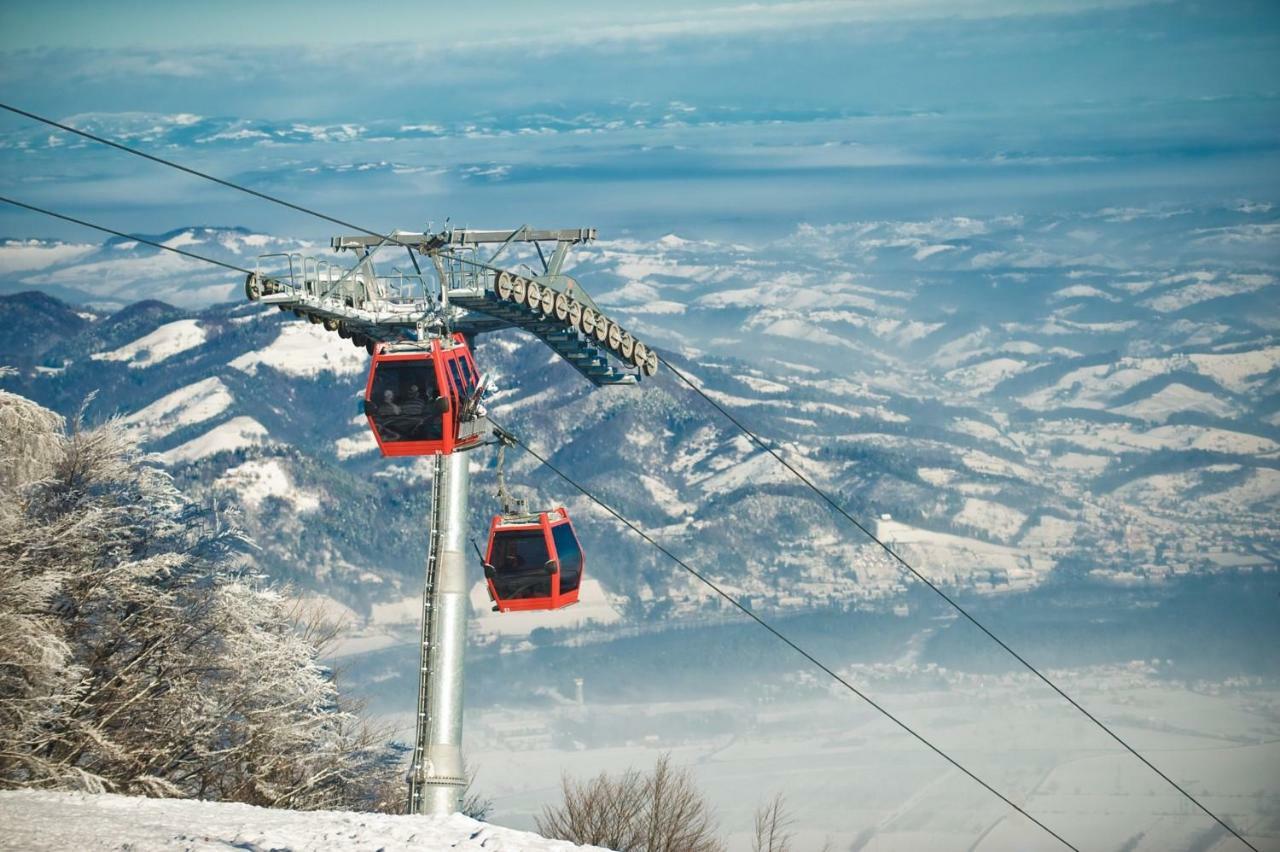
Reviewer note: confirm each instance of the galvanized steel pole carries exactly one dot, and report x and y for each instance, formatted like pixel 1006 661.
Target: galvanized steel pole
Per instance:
pixel 436 778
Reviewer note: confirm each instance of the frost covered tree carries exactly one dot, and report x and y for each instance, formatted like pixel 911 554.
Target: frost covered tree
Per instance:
pixel 137 656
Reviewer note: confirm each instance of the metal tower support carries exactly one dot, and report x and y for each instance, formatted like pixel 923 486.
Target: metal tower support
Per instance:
pixel 436 777
pixel 472 296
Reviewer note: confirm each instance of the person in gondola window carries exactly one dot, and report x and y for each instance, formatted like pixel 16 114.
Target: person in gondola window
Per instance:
pixel 522 579
pixel 388 407
pixel 413 404
pixel 385 415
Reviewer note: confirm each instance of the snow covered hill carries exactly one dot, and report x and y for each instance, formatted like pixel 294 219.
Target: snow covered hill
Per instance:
pixel 120 272
pixel 1015 409
pixel 1094 437
pixel 41 820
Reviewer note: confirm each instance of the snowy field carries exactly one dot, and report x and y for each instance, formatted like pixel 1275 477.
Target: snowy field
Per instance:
pixel 35 820
pixel 852 779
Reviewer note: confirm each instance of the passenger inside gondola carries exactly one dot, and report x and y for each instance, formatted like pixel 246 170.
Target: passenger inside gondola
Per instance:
pixel 388 407
pixel 405 412
pixel 520 566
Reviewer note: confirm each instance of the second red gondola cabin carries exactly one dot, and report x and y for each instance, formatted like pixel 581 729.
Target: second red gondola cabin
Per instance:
pixel 533 561
pixel 416 395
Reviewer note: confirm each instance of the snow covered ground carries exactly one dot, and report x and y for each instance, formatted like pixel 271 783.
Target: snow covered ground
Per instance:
pixel 163 343
pixel 236 433
pixel 195 403
pixel 257 479
pixel 303 349
pixel 853 781
pixel 38 819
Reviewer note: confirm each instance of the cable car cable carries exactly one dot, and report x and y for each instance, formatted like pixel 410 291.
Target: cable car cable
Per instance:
pixel 709 583
pixel 301 209
pixel 887 549
pixel 197 173
pixel 105 230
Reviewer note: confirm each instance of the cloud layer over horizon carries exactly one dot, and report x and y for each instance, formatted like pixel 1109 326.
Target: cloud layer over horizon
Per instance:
pixel 728 121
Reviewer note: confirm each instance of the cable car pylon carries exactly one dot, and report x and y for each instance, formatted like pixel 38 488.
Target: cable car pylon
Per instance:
pixel 422 398
pixel 437 778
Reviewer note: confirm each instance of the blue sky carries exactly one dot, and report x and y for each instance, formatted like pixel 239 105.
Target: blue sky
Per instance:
pixel 717 120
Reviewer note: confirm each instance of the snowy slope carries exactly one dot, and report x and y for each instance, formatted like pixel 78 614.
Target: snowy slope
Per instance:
pixel 36 820
pixel 163 343
pixel 968 404
pixel 235 434
pixel 303 349
pixel 184 407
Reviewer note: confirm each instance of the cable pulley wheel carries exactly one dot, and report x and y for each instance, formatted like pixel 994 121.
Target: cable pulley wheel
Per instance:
pixel 502 285
pixel 252 287
pixel 638 354
pixel 614 336
pixel 562 307
pixel 343 331
pixel 575 313
pixel 314 319
pixel 518 289
pixel 331 325
pixel 650 365
pixel 548 303
pixel 359 340
pixel 602 329
pixel 533 295
pixel 588 322
pixel 626 346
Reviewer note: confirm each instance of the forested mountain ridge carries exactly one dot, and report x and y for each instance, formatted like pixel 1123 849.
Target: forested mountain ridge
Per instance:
pixel 1059 427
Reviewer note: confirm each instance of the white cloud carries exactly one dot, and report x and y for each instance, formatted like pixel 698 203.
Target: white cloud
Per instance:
pixel 1265 233
pixel 27 255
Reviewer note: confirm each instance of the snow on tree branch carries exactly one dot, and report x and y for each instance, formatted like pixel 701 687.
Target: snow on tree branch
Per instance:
pixel 137 656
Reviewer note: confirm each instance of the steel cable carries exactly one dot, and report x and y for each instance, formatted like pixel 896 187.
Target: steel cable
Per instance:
pixel 954 605
pixel 143 240
pixel 711 584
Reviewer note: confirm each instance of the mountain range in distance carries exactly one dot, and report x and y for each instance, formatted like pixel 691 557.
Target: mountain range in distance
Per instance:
pixel 1004 421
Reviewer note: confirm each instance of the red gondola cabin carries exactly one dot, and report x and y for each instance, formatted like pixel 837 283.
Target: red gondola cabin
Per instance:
pixel 533 561
pixel 417 394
